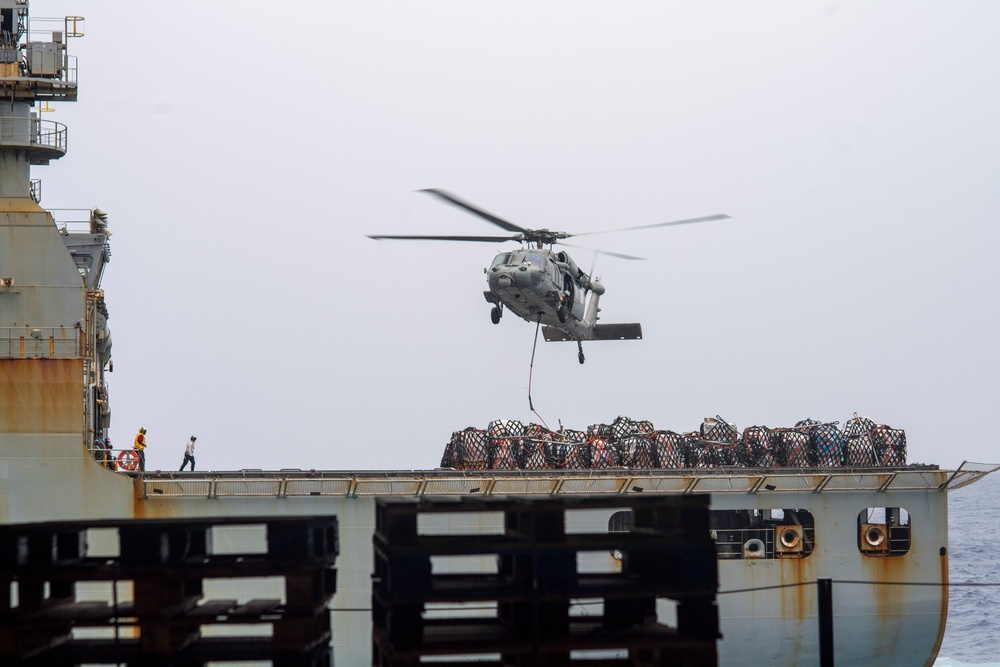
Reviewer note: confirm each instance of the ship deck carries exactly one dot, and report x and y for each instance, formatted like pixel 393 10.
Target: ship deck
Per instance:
pixel 446 482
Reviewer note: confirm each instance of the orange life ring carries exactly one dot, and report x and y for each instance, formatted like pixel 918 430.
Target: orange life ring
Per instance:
pixel 128 459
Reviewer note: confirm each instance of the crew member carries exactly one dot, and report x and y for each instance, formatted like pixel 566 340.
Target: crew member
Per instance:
pixel 109 461
pixel 101 452
pixel 140 447
pixel 189 453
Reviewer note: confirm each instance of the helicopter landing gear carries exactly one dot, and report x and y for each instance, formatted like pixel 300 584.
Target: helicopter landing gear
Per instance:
pixel 579 346
pixel 496 314
pixel 563 313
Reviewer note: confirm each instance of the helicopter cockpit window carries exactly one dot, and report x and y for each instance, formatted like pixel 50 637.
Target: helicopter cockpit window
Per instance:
pixel 534 259
pixel 501 259
pixel 515 259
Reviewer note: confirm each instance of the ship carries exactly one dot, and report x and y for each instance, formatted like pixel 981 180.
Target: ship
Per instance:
pixel 879 532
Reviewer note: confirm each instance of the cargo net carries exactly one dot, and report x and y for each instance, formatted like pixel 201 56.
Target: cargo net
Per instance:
pixel 625 443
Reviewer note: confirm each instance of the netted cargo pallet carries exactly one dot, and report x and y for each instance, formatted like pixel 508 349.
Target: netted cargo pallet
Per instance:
pixel 790 447
pixel 889 444
pixel 505 454
pixel 602 454
pixel 636 451
pixel 699 453
pixel 668 448
pixel 636 444
pixel 757 445
pixel 467 450
pixel 827 445
pixel 859 452
pixel 533 455
pixel 561 455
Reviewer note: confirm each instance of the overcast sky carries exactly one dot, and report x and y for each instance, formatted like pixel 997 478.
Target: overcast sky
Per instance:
pixel 244 149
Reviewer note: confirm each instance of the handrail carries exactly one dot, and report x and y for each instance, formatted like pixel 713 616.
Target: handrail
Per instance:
pixel 429 483
pixel 114 459
pixel 33 133
pixel 39 342
pixel 72 219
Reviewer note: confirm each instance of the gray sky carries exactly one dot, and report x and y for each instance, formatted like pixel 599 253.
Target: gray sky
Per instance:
pixel 244 149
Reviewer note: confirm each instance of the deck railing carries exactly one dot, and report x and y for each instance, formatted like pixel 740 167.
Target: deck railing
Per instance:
pixel 39 342
pixel 353 484
pixel 33 133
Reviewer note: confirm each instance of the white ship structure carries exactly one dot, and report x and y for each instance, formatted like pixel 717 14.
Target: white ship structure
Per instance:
pixel 879 533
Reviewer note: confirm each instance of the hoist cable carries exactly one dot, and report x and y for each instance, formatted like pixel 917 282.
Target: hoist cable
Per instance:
pixel 531 369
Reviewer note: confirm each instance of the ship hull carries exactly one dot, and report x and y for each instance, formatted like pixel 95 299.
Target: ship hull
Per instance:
pixel 886 608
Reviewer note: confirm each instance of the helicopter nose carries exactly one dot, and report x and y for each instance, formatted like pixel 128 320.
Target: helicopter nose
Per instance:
pixel 504 281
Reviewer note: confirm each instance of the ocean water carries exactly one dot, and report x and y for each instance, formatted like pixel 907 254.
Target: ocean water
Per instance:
pixel 972 636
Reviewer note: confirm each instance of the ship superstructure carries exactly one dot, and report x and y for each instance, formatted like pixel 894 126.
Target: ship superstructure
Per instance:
pixel 55 344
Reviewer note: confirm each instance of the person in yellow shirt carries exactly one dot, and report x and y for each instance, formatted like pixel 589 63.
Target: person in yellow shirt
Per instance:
pixel 140 447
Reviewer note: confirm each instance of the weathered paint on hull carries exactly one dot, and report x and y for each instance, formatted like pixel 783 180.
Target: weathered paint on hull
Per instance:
pixel 41 396
pixel 881 618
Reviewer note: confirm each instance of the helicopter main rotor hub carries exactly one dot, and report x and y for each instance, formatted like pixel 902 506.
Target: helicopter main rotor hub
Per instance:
pixel 541 237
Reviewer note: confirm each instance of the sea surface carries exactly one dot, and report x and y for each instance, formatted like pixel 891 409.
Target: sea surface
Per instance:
pixel 972 636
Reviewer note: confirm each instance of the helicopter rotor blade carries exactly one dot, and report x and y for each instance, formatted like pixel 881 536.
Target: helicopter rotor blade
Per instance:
pixel 423 237
pixel 489 217
pixel 602 252
pixel 689 221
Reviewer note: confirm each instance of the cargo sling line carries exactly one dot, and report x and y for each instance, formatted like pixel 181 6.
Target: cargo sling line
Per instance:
pixel 531 368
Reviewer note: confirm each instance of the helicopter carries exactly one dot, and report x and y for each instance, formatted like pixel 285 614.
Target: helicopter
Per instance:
pixel 542 285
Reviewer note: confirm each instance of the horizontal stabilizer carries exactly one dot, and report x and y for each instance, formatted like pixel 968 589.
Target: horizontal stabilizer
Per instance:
pixel 554 335
pixel 631 331
pixel 601 332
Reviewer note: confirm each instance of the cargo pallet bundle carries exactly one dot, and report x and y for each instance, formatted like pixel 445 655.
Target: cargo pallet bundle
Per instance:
pixel 624 443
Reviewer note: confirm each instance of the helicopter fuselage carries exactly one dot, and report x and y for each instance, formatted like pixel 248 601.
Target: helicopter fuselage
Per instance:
pixel 533 282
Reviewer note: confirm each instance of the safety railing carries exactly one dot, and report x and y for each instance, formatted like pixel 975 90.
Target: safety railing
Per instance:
pixel 354 484
pixel 39 342
pixel 59 30
pixel 71 220
pixel 33 133
pixel 121 460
